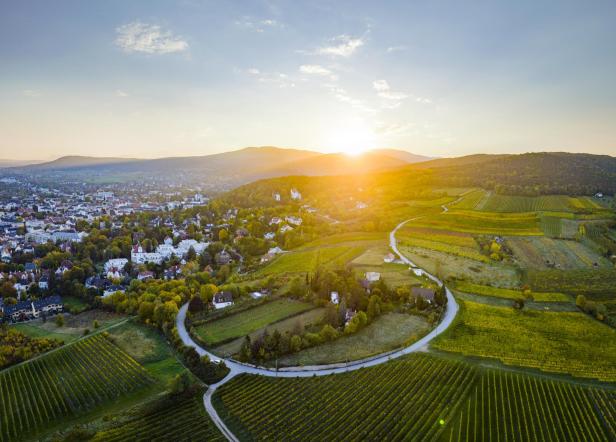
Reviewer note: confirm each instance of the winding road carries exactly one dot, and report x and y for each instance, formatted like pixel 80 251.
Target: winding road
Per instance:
pixel 236 367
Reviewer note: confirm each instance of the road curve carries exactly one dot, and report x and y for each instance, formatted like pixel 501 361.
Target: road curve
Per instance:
pixel 320 370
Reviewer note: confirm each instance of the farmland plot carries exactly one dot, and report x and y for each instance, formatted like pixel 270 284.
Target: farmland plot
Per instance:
pixel 505 406
pixel 65 383
pixel 544 253
pixel 544 203
pixel 560 342
pixel 485 223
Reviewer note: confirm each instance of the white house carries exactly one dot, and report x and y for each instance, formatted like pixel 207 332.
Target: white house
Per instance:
pixel 269 236
pixel 295 220
pixel 285 229
pixel 389 258
pixel 116 263
pixel 222 300
pixel 138 256
pixel 276 196
pixel 334 298
pixel 373 276
pixel 37 236
pixel 295 195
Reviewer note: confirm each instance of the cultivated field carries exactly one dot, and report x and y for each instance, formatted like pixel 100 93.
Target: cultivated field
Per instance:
pixel 387 332
pixel 505 406
pixel 245 322
pixel 65 383
pixel 544 203
pixel 592 283
pixel 403 399
pixel 308 260
pixel 561 342
pixel 545 253
pixel 485 290
pixel 184 419
pixel 485 223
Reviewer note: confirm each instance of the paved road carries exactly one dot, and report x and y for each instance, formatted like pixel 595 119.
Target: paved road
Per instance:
pixel 320 370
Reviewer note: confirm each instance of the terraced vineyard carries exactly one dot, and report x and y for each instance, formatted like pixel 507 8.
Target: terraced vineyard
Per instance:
pixel 183 420
pixel 486 223
pixel 513 407
pixel 551 203
pixel 403 399
pixel 559 342
pixel 496 292
pixel 65 383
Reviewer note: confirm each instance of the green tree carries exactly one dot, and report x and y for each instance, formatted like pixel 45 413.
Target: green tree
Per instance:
pixel 60 320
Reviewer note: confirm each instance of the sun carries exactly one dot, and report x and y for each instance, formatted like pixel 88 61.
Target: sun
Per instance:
pixel 353 139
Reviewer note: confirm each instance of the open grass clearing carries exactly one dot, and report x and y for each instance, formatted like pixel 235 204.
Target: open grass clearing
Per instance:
pixel 387 332
pixel 300 321
pixel 561 342
pixel 394 274
pixel 245 322
pixel 74 325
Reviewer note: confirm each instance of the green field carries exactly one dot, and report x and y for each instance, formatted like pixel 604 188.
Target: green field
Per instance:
pixel 388 332
pixel 505 406
pixel 245 322
pixel 304 319
pixel 308 260
pixel 561 342
pixel 182 419
pixel 403 399
pixel 485 223
pixel 148 347
pixel 485 290
pixel 557 227
pixel 470 201
pixel 65 383
pixel 393 274
pixel 550 203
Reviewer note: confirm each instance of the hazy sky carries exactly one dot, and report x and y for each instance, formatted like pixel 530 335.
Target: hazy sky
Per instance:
pixel 152 78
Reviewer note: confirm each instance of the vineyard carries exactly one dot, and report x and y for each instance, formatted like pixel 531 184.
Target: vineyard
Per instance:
pixel 496 292
pixel 403 399
pixel 181 420
pixel 592 283
pixel 544 253
pixel 65 383
pixel 485 223
pixel 307 260
pixel 513 407
pixel 463 252
pixel 560 342
pixel 470 201
pixel 547 203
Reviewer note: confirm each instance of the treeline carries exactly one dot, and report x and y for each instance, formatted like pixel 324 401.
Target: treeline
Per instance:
pixel 16 347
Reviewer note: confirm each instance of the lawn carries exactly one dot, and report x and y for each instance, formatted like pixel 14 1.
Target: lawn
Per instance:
pixel 485 290
pixel 393 274
pixel 298 321
pixel 245 322
pixel 148 347
pixel 387 332
pixel 561 342
pixel 74 305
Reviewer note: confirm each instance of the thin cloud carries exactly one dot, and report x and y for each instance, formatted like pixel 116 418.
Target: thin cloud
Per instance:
pixel 384 91
pixel 120 93
pixel 258 25
pixel 318 70
pixel 341 46
pixel 395 49
pixel 148 39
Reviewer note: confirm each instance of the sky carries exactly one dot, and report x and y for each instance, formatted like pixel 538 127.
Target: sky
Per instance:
pixel 440 78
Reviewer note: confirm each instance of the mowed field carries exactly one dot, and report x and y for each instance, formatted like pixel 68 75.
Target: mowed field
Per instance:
pixel 545 253
pixel 419 397
pixel 395 275
pixel 561 342
pixel 242 323
pixel 71 381
pixel 388 332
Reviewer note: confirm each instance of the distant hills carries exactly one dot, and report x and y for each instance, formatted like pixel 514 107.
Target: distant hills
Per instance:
pixel 233 168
